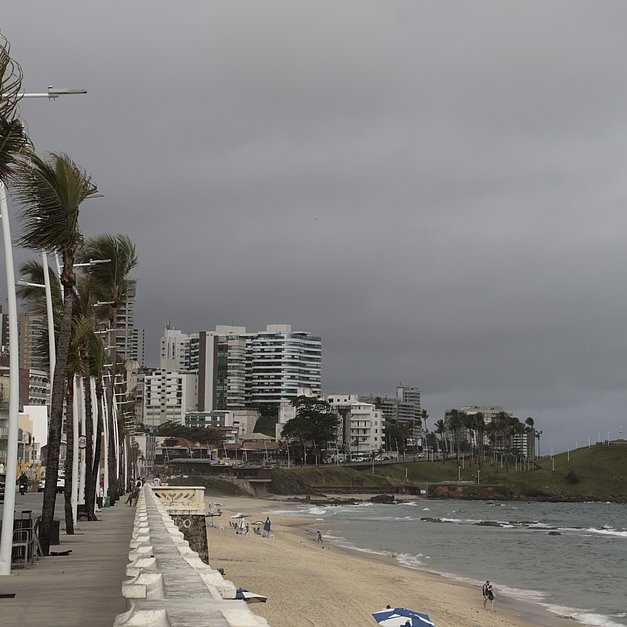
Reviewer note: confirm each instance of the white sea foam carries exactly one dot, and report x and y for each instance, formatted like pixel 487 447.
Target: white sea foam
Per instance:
pixel 608 532
pixel 584 617
pixel 412 561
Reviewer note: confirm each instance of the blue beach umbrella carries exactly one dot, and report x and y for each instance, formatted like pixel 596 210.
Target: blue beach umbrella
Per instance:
pixel 401 617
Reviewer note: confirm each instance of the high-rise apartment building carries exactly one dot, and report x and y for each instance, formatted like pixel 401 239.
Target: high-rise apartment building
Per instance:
pixel 129 341
pixel 237 369
pixel 221 368
pixel 176 350
pixel 279 361
pixel 168 395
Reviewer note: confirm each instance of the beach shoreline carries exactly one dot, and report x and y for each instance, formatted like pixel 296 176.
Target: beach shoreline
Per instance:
pixel 310 584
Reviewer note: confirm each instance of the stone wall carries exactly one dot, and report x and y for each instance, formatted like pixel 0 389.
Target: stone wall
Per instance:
pixel 169 585
pixel 194 530
pixel 468 491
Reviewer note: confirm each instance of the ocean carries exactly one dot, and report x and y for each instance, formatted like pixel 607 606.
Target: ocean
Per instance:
pixel 568 558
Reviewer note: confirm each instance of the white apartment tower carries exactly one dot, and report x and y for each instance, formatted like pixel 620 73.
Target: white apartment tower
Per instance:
pixel 168 395
pixel 279 361
pixel 237 369
pixel 129 341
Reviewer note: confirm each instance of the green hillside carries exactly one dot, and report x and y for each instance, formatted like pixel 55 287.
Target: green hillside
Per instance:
pixel 595 473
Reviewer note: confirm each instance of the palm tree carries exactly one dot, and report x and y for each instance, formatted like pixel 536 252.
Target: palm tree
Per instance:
pixel 110 285
pixel 97 358
pixel 455 424
pixel 51 192
pixel 440 429
pixel 531 442
pixel 424 416
pixel 480 428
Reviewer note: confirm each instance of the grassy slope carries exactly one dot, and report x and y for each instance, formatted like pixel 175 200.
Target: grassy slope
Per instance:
pixel 601 472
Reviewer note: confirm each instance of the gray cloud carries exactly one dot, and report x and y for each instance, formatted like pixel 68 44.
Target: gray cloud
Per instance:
pixel 436 188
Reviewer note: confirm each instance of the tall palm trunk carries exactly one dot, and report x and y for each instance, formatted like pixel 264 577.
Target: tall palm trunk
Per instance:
pixel 113 478
pixel 115 487
pixel 56 420
pixel 99 431
pixel 90 479
pixel 69 454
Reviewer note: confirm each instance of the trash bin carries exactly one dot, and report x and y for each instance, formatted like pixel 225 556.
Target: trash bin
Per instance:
pixel 54 532
pixel 107 502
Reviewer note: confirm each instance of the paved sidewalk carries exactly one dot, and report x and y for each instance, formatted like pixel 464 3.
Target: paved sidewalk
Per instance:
pixel 82 588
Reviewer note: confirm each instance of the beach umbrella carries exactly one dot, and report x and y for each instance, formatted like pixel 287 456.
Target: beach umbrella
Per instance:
pixel 401 617
pixel 217 504
pixel 249 597
pixel 239 516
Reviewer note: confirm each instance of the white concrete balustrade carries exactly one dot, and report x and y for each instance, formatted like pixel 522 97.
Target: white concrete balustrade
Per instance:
pixel 170 585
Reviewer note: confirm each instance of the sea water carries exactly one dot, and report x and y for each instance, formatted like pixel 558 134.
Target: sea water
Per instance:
pixel 569 558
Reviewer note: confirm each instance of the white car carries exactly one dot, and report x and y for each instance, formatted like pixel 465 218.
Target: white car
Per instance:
pixel 60 484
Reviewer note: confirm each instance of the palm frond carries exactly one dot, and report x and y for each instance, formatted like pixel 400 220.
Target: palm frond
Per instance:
pixel 13 137
pixel 34 298
pixel 10 81
pixel 50 193
pixel 110 279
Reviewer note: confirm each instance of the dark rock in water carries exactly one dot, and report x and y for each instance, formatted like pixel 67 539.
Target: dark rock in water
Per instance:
pixel 488 523
pixel 436 520
pixel 386 499
pixel 554 533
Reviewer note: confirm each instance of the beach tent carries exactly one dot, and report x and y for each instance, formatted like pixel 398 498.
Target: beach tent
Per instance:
pixel 250 597
pixel 401 617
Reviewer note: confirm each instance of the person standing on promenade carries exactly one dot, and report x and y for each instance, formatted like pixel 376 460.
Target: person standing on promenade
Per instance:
pixel 156 481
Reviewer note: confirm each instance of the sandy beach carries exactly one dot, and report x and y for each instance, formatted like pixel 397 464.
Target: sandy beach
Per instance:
pixel 314 585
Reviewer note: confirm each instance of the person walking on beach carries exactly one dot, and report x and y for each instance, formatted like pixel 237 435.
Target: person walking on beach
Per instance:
pixel 266 527
pixel 488 595
pixel 319 539
pixel 484 592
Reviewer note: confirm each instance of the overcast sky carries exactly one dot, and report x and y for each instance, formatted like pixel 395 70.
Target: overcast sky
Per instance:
pixel 437 189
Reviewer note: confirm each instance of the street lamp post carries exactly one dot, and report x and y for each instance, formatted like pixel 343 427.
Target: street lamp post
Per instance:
pixel 6 536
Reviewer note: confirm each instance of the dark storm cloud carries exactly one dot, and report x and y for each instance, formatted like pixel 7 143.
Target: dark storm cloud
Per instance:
pixel 435 188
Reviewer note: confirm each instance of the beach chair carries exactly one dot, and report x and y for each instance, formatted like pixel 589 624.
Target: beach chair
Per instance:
pixel 21 545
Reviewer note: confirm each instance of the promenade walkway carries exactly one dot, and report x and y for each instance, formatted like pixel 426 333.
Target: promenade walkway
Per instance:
pixel 82 588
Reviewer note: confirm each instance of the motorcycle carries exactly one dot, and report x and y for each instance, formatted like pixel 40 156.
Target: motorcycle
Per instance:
pixel 23 488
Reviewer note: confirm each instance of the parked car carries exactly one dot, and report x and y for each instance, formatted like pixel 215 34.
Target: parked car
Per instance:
pixel 60 483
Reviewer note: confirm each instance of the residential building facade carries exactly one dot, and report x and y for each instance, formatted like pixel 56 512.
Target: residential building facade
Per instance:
pixel 361 424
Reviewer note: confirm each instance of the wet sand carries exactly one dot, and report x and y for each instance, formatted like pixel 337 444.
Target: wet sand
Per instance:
pixel 312 585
